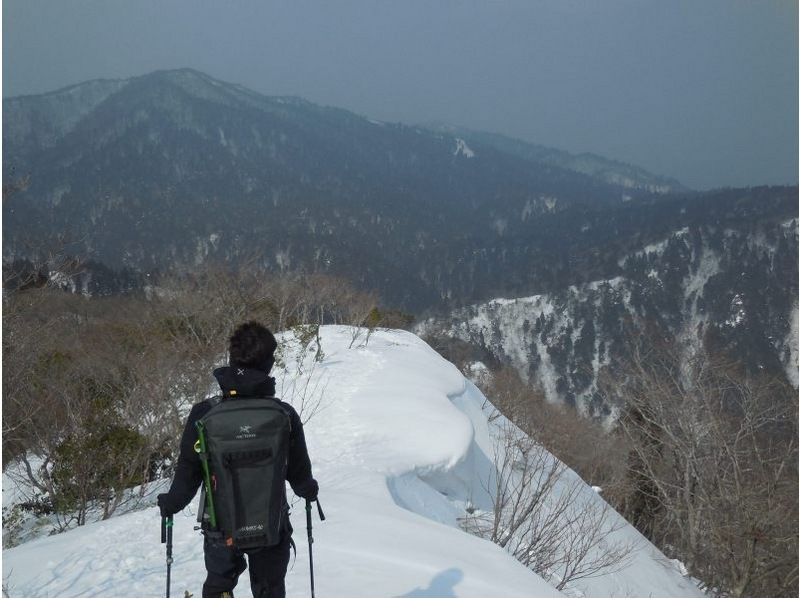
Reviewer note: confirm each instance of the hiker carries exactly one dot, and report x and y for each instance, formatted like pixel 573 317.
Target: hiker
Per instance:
pixel 248 392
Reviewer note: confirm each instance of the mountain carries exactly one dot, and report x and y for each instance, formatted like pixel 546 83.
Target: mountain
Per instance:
pixel 403 447
pixel 609 171
pixel 177 167
pixel 174 169
pixel 728 288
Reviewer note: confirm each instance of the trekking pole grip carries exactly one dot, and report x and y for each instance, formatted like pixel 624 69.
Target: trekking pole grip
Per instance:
pixel 308 524
pixel 163 530
pixel 169 540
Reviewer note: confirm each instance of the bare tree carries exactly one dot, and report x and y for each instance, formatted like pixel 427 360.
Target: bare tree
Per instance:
pixel 301 384
pixel 596 455
pixel 543 517
pixel 714 467
pixel 96 390
pixel 71 382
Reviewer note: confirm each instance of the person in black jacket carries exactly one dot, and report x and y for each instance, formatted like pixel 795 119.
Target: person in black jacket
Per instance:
pixel 251 357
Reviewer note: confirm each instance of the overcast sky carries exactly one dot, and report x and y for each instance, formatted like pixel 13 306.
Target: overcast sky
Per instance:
pixel 705 91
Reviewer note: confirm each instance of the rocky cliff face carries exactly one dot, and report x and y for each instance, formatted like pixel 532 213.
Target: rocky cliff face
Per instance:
pixel 730 290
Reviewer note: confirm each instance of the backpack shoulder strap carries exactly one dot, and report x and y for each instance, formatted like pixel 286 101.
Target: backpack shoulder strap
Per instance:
pixel 214 401
pixel 208 405
pixel 283 407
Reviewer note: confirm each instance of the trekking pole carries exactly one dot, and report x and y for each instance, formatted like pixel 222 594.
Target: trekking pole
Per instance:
pixel 202 451
pixel 311 539
pixel 166 537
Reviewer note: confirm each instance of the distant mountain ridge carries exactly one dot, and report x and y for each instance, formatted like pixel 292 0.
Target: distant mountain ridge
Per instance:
pixel 174 169
pixel 609 171
pixel 177 167
pixel 60 110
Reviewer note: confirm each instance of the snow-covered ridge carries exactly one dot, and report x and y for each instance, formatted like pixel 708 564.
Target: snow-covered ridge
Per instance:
pixel 657 248
pixel 61 109
pixel 400 442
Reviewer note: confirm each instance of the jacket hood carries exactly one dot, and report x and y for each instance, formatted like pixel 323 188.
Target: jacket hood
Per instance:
pixel 237 381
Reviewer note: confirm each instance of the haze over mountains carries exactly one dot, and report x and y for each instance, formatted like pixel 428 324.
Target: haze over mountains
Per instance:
pixel 174 169
pixel 176 166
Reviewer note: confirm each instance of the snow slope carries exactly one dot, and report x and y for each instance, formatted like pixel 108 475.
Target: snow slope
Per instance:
pixel 399 444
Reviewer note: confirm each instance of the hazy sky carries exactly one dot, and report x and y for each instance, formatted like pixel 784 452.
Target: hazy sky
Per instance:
pixel 705 91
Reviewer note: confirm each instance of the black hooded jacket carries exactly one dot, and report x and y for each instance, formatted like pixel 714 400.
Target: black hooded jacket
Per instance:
pixel 247 384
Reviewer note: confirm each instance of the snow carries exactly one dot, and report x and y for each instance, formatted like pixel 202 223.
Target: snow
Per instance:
pixel 401 445
pixel 790 226
pixel 502 323
pixel 477 372
pixel 463 149
pixel 550 203
pixel 657 249
pixel 500 225
pixel 14 492
pixel 737 312
pixel 527 210
pixel 695 283
pixel 790 343
pixel 694 286
pixel 283 259
pixel 614 283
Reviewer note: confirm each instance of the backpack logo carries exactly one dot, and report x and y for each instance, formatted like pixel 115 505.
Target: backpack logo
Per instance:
pixel 245 432
pixel 251 528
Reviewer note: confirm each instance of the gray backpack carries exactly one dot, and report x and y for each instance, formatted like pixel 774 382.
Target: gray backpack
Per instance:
pixel 244 447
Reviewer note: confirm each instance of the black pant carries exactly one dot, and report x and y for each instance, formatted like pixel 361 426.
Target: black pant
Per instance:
pixel 225 564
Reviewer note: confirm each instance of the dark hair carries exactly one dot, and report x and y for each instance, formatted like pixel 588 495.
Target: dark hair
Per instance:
pixel 252 345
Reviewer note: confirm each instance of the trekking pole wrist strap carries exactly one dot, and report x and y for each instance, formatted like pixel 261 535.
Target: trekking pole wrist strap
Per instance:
pixel 319 510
